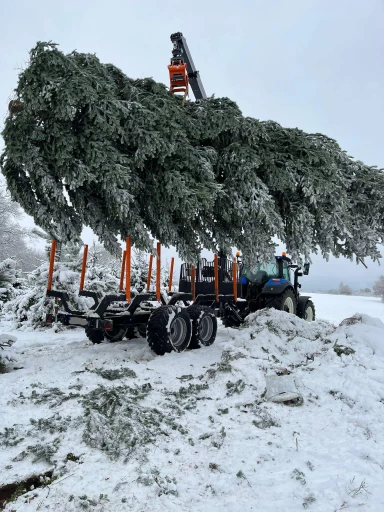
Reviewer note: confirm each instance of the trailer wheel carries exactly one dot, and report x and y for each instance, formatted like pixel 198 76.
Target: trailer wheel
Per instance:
pixel 116 334
pixel 169 328
pixel 204 326
pixel 96 336
pixel 284 302
pixel 141 330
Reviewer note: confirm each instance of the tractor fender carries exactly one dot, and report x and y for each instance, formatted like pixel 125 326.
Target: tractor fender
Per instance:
pixel 301 302
pixel 276 288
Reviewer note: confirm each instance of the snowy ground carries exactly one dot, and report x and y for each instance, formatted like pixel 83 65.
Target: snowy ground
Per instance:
pixel 193 431
pixel 337 307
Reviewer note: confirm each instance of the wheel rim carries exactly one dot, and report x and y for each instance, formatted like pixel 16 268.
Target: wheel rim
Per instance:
pixel 288 305
pixel 205 329
pixel 309 314
pixel 178 331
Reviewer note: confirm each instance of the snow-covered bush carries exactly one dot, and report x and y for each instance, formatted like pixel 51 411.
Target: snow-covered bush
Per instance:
pixel 32 305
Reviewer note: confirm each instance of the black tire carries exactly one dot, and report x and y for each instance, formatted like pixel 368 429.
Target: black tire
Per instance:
pixel 284 302
pixel 116 334
pixel 96 336
pixel 169 328
pixel 141 331
pixel 204 326
pixel 309 313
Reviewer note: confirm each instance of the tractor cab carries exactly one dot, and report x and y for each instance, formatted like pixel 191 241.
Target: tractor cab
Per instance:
pixel 261 273
pixel 265 277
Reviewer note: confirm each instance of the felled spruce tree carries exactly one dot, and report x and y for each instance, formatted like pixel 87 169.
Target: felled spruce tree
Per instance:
pixel 87 145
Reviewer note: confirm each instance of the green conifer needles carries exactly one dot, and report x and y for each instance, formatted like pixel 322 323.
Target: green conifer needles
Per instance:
pixel 88 145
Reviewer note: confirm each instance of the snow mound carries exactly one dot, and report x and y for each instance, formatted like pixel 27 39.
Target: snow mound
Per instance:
pixel 282 324
pixel 364 319
pixel 7 339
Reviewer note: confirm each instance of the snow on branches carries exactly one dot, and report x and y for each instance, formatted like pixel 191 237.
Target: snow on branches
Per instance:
pixel 91 146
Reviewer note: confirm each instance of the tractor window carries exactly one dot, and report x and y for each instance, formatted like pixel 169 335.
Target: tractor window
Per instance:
pixel 286 271
pixel 261 272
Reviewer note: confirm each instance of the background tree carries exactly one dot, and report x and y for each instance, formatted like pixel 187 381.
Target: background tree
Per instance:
pixel 344 289
pixel 139 271
pixel 12 235
pixel 14 238
pixel 365 292
pixel 378 288
pixel 99 256
pixel 88 145
pixel 11 282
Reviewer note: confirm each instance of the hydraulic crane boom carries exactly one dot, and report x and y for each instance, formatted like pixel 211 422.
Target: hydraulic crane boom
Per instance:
pixel 182 70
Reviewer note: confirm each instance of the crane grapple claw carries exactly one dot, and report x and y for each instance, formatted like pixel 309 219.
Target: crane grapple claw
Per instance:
pixel 178 78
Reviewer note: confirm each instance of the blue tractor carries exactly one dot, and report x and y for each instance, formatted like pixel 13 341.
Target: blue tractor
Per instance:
pixel 274 284
pixel 187 319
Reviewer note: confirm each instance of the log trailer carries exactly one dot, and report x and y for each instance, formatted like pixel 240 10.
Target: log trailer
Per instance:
pixel 173 321
pixel 223 288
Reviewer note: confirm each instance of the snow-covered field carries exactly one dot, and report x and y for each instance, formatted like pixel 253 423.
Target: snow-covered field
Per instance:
pixel 193 431
pixel 337 307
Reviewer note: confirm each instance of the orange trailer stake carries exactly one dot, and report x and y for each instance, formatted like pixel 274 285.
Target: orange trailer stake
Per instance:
pixel 158 270
pixel 149 272
pixel 234 278
pixel 121 287
pixel 83 267
pixel 128 269
pixel 216 278
pixel 193 282
pixel 51 265
pixel 171 275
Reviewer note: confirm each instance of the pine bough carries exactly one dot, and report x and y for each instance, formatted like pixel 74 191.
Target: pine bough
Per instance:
pixel 87 145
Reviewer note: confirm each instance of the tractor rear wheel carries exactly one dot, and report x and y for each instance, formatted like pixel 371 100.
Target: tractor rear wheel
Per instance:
pixel 309 313
pixel 204 326
pixel 96 336
pixel 284 302
pixel 169 328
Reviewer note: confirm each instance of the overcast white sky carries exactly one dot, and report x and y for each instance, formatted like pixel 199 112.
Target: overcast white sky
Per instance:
pixel 312 64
